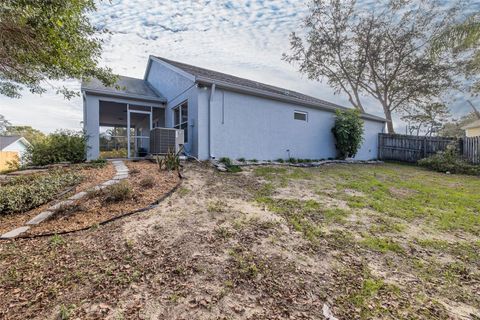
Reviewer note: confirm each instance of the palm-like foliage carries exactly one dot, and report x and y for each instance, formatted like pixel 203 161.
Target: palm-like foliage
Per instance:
pixel 463 39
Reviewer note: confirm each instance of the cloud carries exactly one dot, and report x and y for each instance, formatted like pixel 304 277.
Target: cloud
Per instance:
pixel 242 37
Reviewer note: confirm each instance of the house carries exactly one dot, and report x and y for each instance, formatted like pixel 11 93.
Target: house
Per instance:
pixel 472 129
pixel 221 115
pixel 12 148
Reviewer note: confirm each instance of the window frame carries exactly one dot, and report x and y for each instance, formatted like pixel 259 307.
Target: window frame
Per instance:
pixel 302 113
pixel 181 123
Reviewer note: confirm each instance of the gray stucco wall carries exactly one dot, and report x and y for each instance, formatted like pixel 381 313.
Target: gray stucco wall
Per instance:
pixel 258 128
pixel 177 89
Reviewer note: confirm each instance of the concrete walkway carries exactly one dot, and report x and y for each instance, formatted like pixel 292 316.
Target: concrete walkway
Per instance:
pixel 121 173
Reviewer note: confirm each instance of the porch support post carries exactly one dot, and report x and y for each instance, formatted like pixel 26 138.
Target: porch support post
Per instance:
pixel 92 126
pixel 128 130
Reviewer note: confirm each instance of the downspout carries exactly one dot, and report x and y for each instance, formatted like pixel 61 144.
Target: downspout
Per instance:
pixel 210 101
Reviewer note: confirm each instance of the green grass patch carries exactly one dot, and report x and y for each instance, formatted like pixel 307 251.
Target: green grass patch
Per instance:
pixel 467 251
pixel 281 175
pixel 447 202
pixel 381 244
pixel 305 216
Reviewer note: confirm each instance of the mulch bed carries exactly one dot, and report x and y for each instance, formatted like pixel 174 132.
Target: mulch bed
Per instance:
pixel 91 177
pixel 95 210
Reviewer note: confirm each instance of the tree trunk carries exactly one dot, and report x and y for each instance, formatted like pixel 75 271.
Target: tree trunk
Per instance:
pixel 388 116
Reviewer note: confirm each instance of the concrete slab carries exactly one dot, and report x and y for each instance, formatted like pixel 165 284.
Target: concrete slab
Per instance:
pixel 109 183
pixel 78 196
pixel 42 216
pixel 60 204
pixel 14 233
pixel 120 177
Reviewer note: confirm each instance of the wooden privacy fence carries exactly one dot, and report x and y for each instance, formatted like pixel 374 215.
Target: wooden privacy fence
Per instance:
pixel 471 149
pixel 407 148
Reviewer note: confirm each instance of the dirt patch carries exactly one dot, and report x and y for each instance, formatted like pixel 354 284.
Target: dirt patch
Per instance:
pixel 146 184
pixel 91 176
pixel 212 250
pixel 401 192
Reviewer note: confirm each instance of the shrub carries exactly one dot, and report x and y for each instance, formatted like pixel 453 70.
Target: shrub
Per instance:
pixel 348 132
pixel 147 182
pixel 99 163
pixel 57 147
pixel 231 167
pixel 241 159
pixel 234 169
pixel 169 162
pixel 280 160
pixel 120 191
pixel 292 160
pixel 24 193
pixel 226 161
pixel 449 161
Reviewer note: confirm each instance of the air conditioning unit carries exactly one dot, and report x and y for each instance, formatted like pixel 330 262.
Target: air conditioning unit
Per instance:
pixel 163 140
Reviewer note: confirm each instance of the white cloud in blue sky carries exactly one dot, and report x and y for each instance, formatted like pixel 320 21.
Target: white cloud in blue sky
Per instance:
pixel 242 37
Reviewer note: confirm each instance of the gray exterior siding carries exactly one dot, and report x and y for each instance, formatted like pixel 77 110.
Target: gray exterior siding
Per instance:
pixel 177 88
pixel 246 126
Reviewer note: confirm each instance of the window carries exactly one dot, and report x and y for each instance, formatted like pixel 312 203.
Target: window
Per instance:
pixel 299 115
pixel 180 118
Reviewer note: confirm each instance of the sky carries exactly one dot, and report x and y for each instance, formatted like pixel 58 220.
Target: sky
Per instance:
pixel 241 37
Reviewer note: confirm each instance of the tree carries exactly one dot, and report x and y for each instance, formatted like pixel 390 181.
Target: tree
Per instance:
pixel 29 133
pixel 426 118
pixel 47 40
pixel 348 132
pixel 454 127
pixel 379 53
pixel 462 40
pixel 4 123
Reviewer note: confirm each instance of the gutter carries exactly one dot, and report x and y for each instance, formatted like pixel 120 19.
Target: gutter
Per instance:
pixel 210 101
pixel 123 95
pixel 262 93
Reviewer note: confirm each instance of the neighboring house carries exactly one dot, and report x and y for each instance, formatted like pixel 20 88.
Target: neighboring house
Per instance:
pixel 12 148
pixel 222 115
pixel 472 129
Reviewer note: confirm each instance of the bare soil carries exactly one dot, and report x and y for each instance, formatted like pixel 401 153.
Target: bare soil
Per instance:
pixel 212 250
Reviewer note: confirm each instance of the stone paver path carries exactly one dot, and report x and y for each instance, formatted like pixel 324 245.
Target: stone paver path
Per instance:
pixel 121 173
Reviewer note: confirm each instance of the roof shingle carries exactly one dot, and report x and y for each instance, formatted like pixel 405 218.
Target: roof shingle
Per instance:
pixel 234 80
pixel 5 141
pixel 127 86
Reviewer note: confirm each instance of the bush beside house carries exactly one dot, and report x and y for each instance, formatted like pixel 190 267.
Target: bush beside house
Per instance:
pixel 348 132
pixel 61 146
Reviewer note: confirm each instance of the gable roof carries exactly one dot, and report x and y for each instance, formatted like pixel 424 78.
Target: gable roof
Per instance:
pixel 208 76
pixel 128 87
pixel 474 124
pixel 5 141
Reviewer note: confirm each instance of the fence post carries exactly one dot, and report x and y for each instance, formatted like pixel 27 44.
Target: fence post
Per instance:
pixel 380 146
pixel 425 147
pixel 460 147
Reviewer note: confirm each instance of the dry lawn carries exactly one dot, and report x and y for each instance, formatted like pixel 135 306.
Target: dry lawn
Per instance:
pixel 369 242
